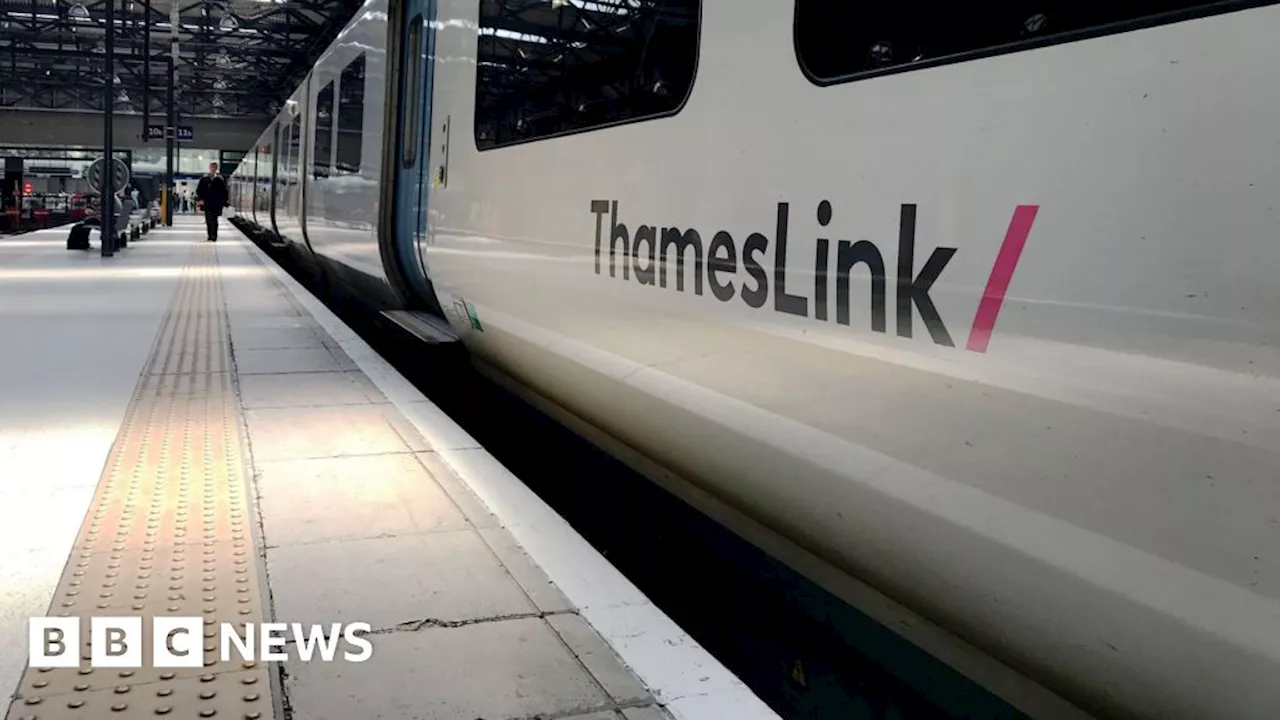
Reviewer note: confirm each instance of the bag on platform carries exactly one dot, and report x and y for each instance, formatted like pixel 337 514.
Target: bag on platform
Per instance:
pixel 79 237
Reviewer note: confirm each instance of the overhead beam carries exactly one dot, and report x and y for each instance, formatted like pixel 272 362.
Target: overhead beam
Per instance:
pixel 49 59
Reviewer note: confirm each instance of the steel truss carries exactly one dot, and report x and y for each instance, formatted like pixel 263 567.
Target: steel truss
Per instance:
pixel 237 58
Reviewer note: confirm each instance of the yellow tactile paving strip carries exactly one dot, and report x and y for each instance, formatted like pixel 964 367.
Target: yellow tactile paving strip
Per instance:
pixel 168 532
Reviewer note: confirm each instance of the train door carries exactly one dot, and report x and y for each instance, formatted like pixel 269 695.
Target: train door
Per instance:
pixel 253 192
pixel 413 118
pixel 305 153
pixel 272 194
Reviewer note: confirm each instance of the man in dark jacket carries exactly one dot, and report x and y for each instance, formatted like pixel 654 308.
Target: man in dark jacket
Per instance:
pixel 211 193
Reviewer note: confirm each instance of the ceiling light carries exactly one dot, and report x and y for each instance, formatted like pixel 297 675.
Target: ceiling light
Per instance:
pixel 79 11
pixel 228 23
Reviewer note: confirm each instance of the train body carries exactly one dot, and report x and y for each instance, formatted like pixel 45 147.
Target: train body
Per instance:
pixel 979 307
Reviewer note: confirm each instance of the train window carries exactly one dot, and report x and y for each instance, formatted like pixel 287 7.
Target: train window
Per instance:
pixel 324 131
pixel 284 146
pixel 546 69
pixel 262 173
pixel 284 142
pixel 350 116
pixel 295 148
pixel 253 179
pixel 837 41
pixel 411 92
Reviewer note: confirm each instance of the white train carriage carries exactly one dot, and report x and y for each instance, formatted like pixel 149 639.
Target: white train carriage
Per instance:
pixel 976 306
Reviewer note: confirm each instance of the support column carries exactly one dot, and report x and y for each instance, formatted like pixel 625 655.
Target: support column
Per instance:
pixel 146 68
pixel 108 112
pixel 171 121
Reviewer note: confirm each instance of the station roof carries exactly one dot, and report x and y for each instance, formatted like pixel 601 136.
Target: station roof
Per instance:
pixel 237 58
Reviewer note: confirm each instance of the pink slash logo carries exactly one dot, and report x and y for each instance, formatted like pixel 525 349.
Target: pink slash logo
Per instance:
pixel 984 321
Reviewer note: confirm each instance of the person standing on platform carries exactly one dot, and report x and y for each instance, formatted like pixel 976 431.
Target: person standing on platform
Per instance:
pixel 211 196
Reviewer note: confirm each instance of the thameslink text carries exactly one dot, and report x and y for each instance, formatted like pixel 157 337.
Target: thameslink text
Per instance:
pixel 644 253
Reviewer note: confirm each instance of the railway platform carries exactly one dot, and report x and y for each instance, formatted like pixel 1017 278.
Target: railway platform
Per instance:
pixel 186 433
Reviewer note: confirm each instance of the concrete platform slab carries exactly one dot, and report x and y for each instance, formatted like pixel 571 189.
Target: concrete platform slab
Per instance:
pixel 497 670
pixel 264 361
pixel 393 581
pixel 541 591
pixel 259 338
pixel 473 507
pixel 307 390
pixel 651 712
pixel 605 666
pixel 298 433
pixel 396 496
pixel 267 322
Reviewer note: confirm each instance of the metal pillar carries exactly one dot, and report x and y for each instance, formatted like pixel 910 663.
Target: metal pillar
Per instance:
pixel 168 148
pixel 108 110
pixel 171 122
pixel 124 239
pixel 146 68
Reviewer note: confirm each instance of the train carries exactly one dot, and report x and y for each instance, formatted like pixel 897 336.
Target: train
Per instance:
pixel 972 311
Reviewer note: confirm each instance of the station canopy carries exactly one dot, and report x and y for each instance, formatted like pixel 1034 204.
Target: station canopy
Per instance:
pixel 237 58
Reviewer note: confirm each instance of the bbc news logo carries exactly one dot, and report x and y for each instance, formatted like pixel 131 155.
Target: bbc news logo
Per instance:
pixel 178 642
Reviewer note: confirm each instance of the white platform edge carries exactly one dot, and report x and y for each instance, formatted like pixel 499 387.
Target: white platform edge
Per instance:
pixel 682 676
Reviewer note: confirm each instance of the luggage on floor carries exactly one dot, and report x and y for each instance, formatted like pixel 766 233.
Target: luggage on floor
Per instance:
pixel 79 237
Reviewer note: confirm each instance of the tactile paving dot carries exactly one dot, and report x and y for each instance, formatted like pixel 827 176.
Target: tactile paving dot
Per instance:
pixel 172 494
pixel 222 697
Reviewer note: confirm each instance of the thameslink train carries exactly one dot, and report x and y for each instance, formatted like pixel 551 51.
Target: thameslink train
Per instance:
pixel 972 313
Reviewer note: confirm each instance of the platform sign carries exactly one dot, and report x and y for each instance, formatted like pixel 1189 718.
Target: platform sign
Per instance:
pixel 49 170
pixel 186 133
